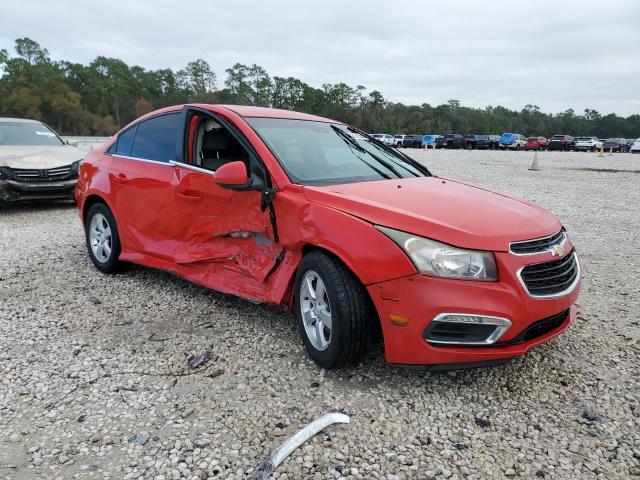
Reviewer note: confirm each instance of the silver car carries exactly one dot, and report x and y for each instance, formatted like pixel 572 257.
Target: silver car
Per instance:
pixel 35 163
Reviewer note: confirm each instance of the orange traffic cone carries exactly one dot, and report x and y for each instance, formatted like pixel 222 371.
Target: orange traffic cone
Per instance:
pixel 610 151
pixel 601 154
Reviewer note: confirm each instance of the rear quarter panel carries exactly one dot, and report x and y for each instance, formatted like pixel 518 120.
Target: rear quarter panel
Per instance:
pixel 93 179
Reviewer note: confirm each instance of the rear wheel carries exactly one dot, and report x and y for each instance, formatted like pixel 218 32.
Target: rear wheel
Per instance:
pixel 103 242
pixel 333 311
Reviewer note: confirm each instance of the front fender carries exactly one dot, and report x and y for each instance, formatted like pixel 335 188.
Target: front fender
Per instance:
pixel 369 254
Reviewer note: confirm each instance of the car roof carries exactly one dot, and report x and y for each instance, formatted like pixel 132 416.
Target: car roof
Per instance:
pixel 264 112
pixel 242 110
pixel 18 120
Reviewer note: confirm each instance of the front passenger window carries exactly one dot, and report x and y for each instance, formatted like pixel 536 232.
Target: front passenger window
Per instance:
pixel 216 146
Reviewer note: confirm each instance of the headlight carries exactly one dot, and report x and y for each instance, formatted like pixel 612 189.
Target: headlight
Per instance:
pixel 442 260
pixel 75 166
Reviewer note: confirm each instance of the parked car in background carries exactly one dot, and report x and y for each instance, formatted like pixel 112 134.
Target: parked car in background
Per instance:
pixel 614 145
pixel 416 141
pixel 385 138
pixel 397 140
pixel 561 143
pixel 429 141
pixel 536 143
pixel 628 144
pixel 587 143
pixel 494 142
pixel 477 141
pixel 404 141
pixel 512 141
pixel 440 141
pixel 454 140
pixel 265 204
pixel 635 147
pixel 35 163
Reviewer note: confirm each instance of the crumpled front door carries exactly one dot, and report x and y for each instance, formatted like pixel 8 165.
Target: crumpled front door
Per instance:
pixel 225 241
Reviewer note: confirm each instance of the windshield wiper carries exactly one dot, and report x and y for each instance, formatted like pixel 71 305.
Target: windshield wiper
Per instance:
pixel 350 139
pixel 351 143
pixel 385 148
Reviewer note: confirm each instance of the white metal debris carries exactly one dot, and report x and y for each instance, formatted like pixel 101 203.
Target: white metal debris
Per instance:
pixel 277 456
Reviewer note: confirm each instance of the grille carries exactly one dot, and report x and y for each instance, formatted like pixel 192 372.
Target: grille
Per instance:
pixel 51 175
pixel 539 245
pixel 551 278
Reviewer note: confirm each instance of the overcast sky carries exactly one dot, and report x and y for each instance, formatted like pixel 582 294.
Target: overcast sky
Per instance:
pixel 554 54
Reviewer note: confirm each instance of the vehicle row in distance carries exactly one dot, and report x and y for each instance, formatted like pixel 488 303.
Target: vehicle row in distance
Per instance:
pixel 509 141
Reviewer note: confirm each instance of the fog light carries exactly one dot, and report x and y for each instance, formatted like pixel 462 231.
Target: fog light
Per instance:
pixel 465 329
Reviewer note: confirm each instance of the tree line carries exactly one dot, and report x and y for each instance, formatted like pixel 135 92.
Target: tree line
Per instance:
pixel 100 98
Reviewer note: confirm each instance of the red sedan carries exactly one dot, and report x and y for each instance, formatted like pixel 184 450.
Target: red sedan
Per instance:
pixel 536 143
pixel 351 235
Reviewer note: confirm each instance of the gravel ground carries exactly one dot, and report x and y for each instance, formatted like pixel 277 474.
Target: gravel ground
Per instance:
pixel 94 381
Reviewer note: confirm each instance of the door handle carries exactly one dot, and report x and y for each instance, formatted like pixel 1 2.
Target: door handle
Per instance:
pixel 120 178
pixel 191 196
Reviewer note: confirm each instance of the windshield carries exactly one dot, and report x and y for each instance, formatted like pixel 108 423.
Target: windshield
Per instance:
pixel 507 136
pixel 27 133
pixel 319 153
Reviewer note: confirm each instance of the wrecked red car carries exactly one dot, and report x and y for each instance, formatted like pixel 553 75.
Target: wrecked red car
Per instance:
pixel 353 236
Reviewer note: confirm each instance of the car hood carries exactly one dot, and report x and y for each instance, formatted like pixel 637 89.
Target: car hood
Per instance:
pixel 41 157
pixel 449 211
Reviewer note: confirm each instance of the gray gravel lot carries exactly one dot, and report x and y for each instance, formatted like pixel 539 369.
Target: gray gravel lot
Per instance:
pixel 94 380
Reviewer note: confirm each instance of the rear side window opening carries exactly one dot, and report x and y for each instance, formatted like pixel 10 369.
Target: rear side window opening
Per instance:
pixel 124 142
pixel 155 138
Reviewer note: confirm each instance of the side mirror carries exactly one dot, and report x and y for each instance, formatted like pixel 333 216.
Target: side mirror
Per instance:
pixel 231 174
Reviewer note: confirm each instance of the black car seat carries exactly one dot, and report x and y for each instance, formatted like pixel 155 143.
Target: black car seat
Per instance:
pixel 214 145
pixel 219 147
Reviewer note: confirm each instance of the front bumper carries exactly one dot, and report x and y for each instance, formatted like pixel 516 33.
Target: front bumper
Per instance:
pixel 421 298
pixel 14 191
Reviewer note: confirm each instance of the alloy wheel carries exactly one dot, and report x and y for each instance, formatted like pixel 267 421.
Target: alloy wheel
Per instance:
pixel 316 310
pixel 100 238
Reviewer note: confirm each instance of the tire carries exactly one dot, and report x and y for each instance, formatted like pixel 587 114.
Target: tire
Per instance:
pixel 350 312
pixel 100 226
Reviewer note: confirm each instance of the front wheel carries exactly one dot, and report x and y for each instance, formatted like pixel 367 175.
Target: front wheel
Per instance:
pixel 103 241
pixel 333 312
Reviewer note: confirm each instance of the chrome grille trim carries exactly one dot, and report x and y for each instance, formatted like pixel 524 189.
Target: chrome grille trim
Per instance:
pixel 33 175
pixel 546 266
pixel 536 246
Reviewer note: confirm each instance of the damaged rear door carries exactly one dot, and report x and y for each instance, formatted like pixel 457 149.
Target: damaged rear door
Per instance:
pixel 225 241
